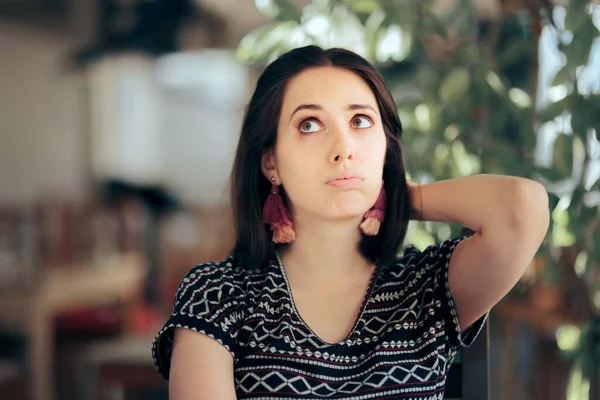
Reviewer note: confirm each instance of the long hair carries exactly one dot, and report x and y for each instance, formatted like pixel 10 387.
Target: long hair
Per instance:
pixel 249 187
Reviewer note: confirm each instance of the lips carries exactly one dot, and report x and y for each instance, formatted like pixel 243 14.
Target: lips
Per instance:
pixel 346 181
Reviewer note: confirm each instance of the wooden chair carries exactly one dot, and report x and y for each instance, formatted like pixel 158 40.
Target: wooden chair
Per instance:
pixel 469 376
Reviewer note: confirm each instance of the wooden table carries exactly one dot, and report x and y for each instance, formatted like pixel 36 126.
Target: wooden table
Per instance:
pixel 31 310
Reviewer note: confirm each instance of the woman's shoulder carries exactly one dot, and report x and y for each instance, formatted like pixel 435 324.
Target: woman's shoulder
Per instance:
pixel 414 263
pixel 213 275
pixel 229 276
pixel 210 299
pixel 441 251
pixel 226 268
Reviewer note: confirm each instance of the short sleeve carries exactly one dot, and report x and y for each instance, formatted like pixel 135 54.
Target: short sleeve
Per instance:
pixel 208 300
pixel 433 264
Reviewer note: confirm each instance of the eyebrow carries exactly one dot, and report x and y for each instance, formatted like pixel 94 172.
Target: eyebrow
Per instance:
pixel 316 107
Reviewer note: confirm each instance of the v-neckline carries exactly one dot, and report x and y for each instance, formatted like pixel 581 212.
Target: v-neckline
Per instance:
pixel 359 316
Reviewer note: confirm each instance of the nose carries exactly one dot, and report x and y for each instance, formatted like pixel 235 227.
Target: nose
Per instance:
pixel 343 148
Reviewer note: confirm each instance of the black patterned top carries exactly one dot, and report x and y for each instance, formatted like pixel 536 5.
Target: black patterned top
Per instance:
pixel 401 345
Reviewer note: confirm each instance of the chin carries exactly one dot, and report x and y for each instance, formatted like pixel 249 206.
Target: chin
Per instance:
pixel 346 206
pixel 350 206
pixel 348 212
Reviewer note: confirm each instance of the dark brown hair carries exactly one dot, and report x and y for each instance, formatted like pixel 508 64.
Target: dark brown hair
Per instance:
pixel 250 188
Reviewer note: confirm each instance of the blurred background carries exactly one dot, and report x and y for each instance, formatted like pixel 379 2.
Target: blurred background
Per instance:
pixel 118 125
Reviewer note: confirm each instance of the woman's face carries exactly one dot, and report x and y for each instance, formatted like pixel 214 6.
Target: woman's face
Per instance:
pixel 330 146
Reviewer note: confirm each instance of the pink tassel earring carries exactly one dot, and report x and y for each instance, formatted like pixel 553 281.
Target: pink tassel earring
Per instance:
pixel 374 217
pixel 278 217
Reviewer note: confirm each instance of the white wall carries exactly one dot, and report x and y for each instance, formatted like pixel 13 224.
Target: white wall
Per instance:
pixel 42 126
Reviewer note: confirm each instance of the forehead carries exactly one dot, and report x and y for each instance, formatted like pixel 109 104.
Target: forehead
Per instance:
pixel 327 86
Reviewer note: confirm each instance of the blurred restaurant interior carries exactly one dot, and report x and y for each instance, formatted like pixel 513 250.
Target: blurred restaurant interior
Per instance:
pixel 118 125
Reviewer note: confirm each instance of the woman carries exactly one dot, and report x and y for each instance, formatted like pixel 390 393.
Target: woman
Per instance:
pixel 313 302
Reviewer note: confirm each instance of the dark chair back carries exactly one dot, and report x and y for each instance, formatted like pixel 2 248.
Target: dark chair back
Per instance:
pixel 469 376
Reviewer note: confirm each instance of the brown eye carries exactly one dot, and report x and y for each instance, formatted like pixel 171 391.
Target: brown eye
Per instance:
pixel 309 126
pixel 361 122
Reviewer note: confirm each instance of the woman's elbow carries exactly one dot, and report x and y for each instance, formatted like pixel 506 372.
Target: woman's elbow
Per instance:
pixel 530 213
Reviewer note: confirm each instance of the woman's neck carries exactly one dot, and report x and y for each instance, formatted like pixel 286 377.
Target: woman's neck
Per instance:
pixel 325 252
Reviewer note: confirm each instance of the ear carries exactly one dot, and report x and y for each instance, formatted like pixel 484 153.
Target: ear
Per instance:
pixel 267 165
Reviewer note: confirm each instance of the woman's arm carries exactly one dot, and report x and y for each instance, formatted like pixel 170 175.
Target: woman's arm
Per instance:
pixel 201 368
pixel 509 216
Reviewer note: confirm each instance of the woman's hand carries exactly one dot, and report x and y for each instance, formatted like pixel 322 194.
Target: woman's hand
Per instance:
pixel 415 199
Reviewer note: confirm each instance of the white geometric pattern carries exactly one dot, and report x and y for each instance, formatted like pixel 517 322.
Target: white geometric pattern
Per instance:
pixel 401 346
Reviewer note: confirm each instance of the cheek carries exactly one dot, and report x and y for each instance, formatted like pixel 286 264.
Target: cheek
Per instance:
pixel 294 165
pixel 296 168
pixel 374 153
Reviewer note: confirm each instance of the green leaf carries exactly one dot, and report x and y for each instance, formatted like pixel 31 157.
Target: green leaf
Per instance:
pixel 268 8
pixel 259 45
pixel 494 82
pixel 554 110
pixel 375 21
pixel 563 154
pixel 455 85
pixel 363 6
pixel 515 52
pixel 581 118
pixel 400 12
pixel 249 49
pixel 458 110
pixel 428 79
pixel 595 245
pixel 578 51
pixel 576 18
pixel 347 31
pixel 578 386
pixel 433 25
pixel 392 43
pixel 552 174
pixel 470 55
pixel 287 11
pixel 563 76
pixel 499 120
